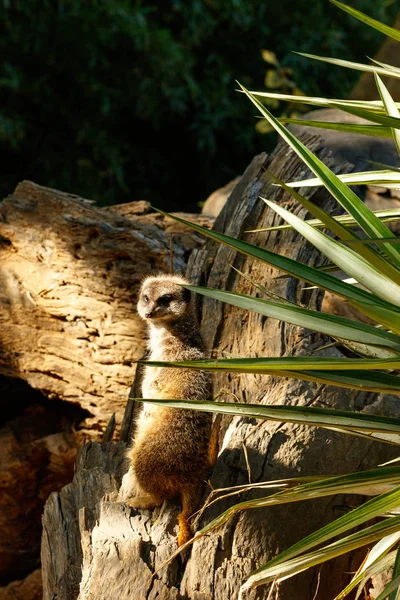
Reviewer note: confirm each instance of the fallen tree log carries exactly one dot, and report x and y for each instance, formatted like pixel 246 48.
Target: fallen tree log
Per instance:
pixel 95 547
pixel 69 275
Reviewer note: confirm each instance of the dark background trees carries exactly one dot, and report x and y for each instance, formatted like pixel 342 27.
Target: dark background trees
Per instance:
pixel 119 100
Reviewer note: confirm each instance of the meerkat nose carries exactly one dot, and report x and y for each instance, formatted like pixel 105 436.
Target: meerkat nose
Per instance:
pixel 148 315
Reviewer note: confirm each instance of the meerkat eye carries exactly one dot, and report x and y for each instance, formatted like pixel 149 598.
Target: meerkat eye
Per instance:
pixel 146 299
pixel 166 299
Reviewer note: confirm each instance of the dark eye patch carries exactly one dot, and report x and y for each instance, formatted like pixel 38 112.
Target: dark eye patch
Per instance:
pixel 166 299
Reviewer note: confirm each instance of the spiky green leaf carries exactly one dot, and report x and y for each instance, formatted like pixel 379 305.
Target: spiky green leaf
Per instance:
pixel 361 578
pixel 342 546
pixel 343 194
pixel 382 177
pixel 390 108
pixel 369 510
pixel 345 258
pixel 388 216
pixel 389 31
pixel 372 105
pixel 357 128
pixel 371 305
pixel 396 573
pixel 339 230
pixel 333 325
pixel 286 363
pixel 353 65
pixel 318 417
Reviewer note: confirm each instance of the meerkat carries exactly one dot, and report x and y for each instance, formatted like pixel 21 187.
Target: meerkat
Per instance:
pixel 173 449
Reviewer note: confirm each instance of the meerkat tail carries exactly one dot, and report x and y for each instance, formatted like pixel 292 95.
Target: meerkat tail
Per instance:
pixel 189 499
pixel 185 530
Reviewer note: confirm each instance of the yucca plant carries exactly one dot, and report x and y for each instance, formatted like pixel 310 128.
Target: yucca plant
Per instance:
pixel 372 262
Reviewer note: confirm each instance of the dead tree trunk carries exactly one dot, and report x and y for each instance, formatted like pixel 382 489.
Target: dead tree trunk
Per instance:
pixel 96 548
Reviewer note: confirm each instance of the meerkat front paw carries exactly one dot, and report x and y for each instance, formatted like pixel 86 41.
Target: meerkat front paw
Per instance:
pixel 129 487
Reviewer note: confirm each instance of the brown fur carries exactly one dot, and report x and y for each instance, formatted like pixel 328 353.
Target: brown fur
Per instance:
pixel 172 454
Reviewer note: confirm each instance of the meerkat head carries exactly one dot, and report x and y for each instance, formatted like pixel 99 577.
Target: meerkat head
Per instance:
pixel 162 298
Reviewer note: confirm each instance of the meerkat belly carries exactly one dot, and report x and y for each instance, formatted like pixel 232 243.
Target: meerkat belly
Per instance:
pixel 170 441
pixel 159 381
pixel 154 421
pixel 151 385
pixel 160 431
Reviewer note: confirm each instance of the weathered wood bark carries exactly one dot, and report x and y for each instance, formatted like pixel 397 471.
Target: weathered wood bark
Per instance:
pixel 69 275
pixel 120 549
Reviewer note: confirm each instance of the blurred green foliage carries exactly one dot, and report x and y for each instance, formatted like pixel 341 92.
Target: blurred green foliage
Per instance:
pixel 118 100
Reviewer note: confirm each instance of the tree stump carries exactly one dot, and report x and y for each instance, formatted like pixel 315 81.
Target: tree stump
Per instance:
pixel 94 546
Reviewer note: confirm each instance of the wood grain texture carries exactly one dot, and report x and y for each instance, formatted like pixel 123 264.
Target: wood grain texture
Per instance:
pixel 82 527
pixel 69 277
